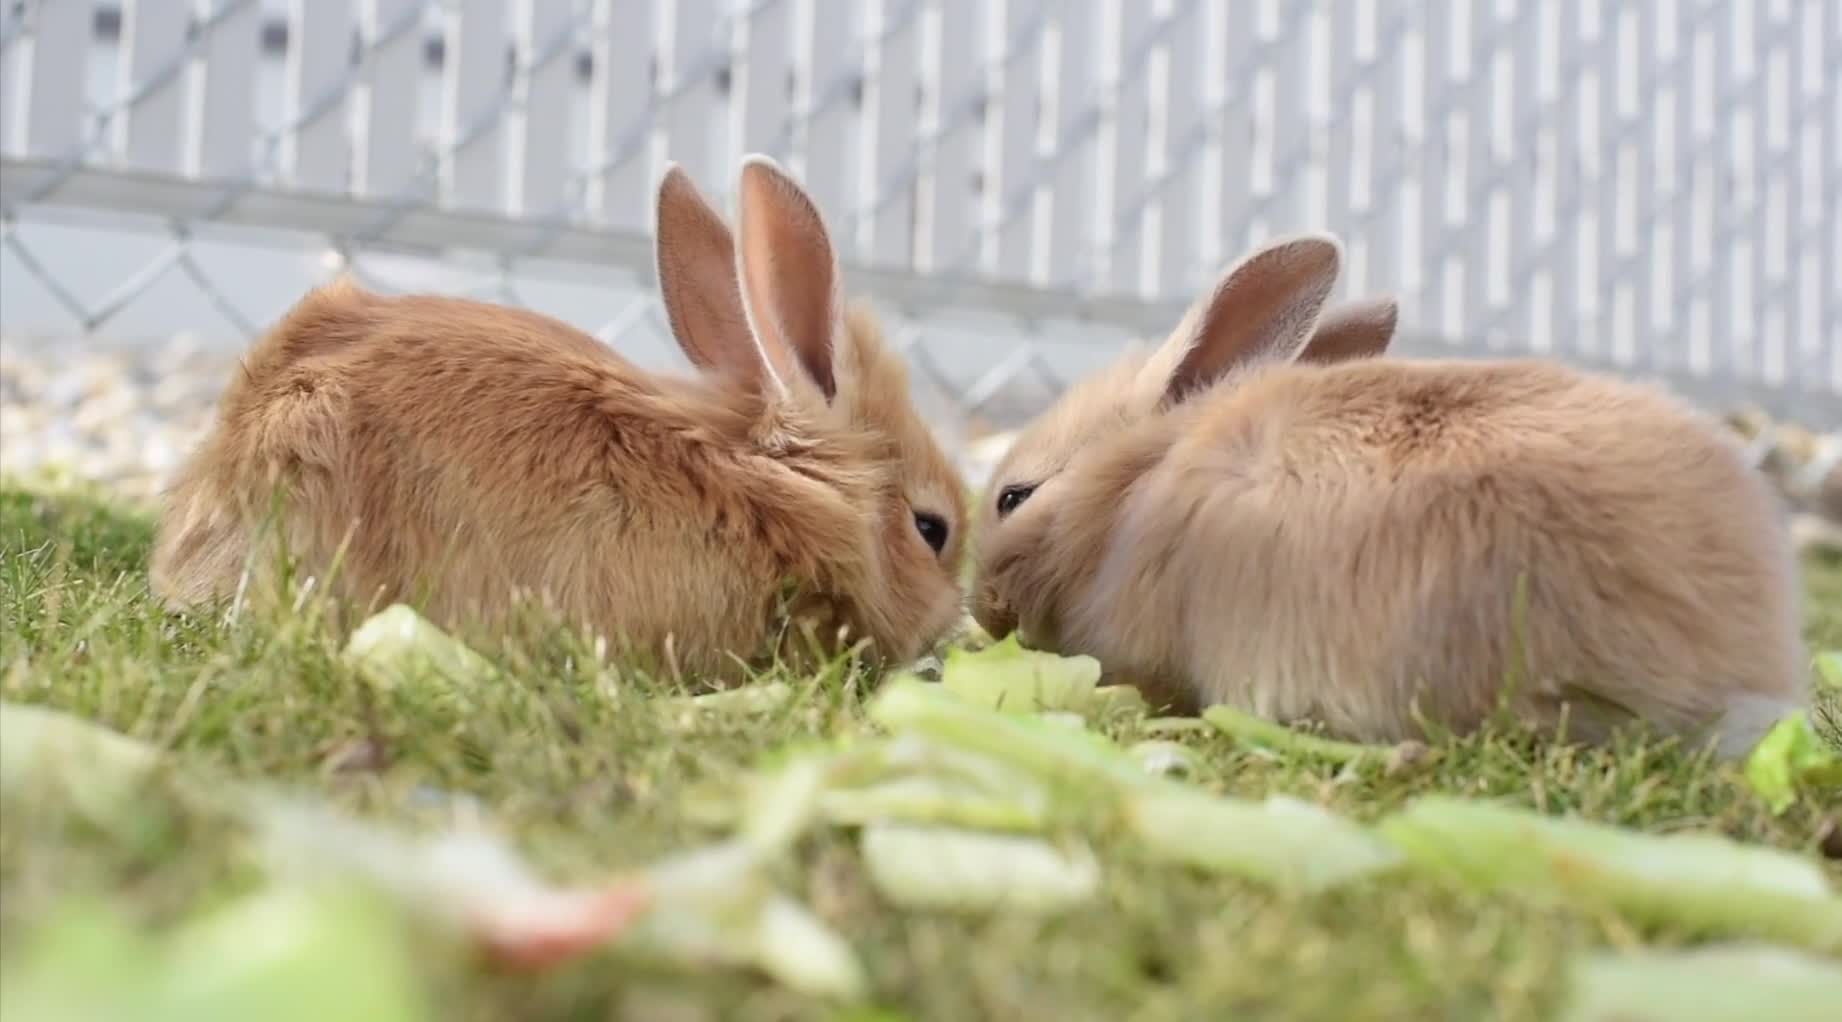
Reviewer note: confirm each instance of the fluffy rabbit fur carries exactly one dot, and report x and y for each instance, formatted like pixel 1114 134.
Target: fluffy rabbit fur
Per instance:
pixel 453 454
pixel 1359 540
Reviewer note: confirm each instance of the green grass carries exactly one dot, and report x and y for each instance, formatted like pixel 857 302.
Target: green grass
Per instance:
pixel 589 776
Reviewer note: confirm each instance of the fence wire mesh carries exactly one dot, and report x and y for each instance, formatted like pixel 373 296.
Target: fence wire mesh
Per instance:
pixel 1651 188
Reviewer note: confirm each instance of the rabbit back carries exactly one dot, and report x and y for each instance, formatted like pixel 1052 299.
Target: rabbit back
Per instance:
pixel 453 453
pixel 1359 542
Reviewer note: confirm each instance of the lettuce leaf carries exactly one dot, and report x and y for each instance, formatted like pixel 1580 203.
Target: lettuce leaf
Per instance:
pixel 1791 758
pixel 1294 846
pixel 1051 752
pixel 1703 884
pixel 58 759
pixel 960 870
pixel 1711 984
pixel 1005 676
pixel 398 648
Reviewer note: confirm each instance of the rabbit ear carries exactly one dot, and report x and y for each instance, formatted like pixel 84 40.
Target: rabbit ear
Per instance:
pixel 1261 310
pixel 1359 329
pixel 789 277
pixel 694 256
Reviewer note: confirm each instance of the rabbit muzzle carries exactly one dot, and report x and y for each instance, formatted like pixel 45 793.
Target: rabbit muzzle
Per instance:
pixel 992 611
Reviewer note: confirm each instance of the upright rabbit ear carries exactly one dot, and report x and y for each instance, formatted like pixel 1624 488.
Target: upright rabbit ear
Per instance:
pixel 1359 329
pixel 1261 310
pixel 789 277
pixel 695 259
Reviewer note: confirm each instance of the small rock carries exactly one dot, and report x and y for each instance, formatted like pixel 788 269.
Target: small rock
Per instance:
pixel 160 453
pixel 24 380
pixel 95 464
pixel 178 351
pixel 60 392
pixel 926 668
pixel 1814 534
pixel 107 410
pixel 103 371
pixel 58 444
pixel 18 418
pixel 176 393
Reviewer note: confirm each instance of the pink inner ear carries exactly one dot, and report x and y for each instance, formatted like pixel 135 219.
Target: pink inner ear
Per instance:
pixel 789 276
pixel 1261 310
pixel 1355 330
pixel 697 280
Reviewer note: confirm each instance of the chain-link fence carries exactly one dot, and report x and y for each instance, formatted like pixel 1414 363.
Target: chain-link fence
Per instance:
pixel 1651 187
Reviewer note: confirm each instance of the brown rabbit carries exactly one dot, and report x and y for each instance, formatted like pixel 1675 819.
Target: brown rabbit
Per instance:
pixel 452 453
pixel 1350 540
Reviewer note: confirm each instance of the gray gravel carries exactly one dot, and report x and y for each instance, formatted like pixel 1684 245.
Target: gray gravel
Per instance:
pixel 121 417
pixel 125 416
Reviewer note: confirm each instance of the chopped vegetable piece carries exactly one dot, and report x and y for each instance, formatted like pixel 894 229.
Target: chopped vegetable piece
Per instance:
pixel 905 778
pixel 1005 676
pixel 706 901
pixel 923 799
pixel 285 954
pixel 724 874
pixel 399 647
pixel 1062 718
pixel 1700 883
pixel 543 932
pixel 65 760
pixel 1119 699
pixel 1289 844
pixel 919 754
pixel 783 802
pixel 963 870
pixel 1829 669
pixel 293 953
pixel 714 904
pixel 743 700
pixel 1790 757
pixel 466 882
pixel 1712 984
pixel 1246 727
pixel 802 953
pixel 83 962
pixel 1049 751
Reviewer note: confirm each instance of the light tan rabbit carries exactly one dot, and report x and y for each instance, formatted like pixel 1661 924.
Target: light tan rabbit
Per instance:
pixel 1348 540
pixel 453 453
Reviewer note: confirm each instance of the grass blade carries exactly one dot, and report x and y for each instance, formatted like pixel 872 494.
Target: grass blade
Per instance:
pixel 1245 727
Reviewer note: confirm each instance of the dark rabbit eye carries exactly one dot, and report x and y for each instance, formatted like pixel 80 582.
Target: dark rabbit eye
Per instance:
pixel 933 530
pixel 1012 497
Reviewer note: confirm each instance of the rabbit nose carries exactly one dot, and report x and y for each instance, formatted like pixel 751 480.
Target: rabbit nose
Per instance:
pixel 993 614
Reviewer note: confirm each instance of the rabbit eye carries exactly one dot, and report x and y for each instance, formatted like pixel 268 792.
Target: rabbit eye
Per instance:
pixel 933 530
pixel 1012 497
